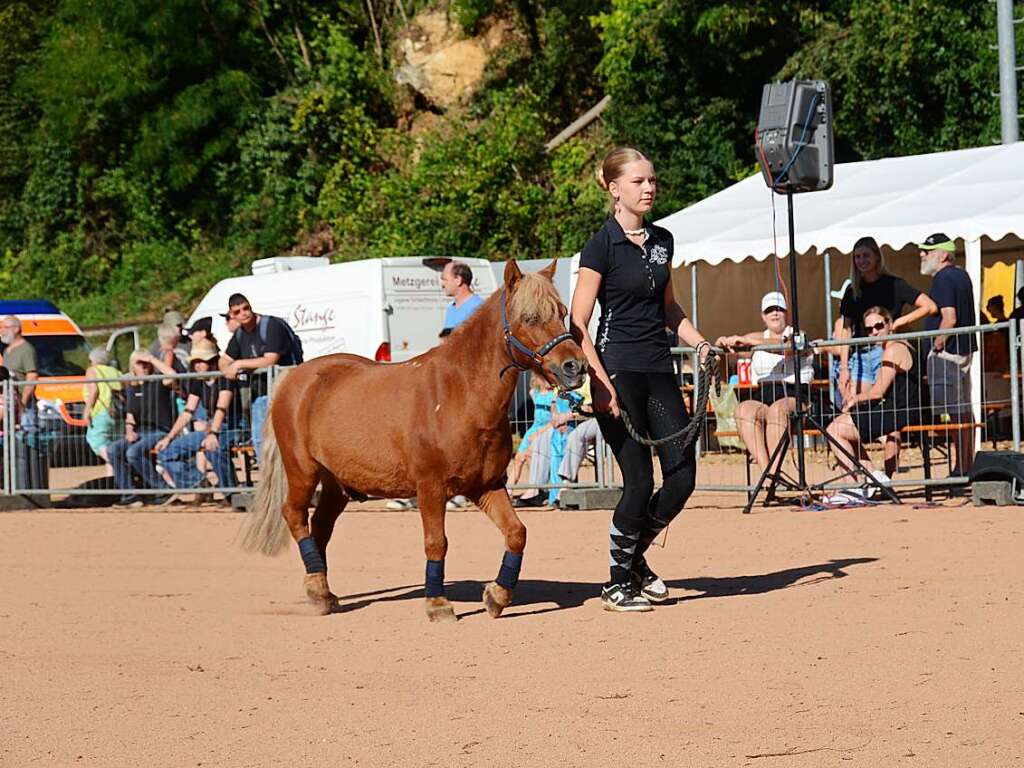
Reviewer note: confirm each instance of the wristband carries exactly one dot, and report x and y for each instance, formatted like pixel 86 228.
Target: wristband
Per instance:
pixel 214 432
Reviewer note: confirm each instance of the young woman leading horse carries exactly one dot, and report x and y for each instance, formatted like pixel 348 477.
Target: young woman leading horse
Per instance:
pixel 432 427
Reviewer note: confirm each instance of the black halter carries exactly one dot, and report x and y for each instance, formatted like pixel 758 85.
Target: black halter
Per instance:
pixel 512 344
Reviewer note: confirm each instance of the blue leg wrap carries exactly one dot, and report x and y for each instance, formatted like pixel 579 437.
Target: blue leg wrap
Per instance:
pixel 435 578
pixel 508 574
pixel 311 556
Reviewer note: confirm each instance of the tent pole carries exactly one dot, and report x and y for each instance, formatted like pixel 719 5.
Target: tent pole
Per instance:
pixel 828 320
pixel 972 262
pixel 693 294
pixel 828 293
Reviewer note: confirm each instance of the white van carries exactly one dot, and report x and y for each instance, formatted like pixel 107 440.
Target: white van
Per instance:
pixel 383 309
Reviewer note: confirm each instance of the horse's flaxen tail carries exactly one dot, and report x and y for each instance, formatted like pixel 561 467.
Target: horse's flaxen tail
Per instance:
pixel 265 530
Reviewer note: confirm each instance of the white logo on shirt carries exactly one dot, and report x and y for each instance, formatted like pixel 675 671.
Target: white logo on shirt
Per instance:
pixel 659 254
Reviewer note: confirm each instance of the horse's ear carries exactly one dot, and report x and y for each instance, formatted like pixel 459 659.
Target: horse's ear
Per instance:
pixel 550 269
pixel 512 274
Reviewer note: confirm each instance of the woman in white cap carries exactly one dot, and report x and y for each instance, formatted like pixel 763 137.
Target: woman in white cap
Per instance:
pixel 762 420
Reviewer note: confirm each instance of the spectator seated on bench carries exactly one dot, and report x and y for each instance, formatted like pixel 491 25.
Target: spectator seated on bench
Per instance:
pixel 178 451
pixel 891 404
pixel 763 420
pixel 150 413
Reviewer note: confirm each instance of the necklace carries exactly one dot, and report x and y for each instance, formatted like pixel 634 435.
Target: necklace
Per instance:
pixel 636 232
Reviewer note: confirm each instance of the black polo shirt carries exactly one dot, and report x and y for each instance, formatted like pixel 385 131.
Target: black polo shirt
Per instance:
pixel 631 332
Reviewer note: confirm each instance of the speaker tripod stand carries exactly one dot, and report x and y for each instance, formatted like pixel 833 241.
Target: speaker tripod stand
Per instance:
pixel 800 420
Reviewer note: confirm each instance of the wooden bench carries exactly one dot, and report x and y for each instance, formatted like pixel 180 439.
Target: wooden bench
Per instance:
pixel 248 456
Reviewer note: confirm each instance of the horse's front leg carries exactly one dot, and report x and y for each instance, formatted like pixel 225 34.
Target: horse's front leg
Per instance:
pixel 435 545
pixel 498 507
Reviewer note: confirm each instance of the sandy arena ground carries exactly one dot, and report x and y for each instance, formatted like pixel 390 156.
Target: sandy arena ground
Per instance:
pixel 871 637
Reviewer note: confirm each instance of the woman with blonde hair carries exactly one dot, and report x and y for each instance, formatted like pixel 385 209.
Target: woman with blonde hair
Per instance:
pixel 871 286
pixel 626 266
pixel 101 429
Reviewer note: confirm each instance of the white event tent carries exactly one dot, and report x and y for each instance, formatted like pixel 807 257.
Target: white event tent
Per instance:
pixel 968 194
pixel 976 196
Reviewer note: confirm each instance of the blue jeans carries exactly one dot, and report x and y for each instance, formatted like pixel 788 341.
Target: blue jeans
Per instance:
pixel 179 458
pixel 125 456
pixel 864 363
pixel 260 406
pixel 220 459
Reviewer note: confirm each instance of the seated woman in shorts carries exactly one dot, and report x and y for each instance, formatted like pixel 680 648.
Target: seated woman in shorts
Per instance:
pixel 763 419
pixel 890 404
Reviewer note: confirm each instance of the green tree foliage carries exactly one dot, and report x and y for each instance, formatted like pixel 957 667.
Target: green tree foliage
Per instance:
pixel 151 147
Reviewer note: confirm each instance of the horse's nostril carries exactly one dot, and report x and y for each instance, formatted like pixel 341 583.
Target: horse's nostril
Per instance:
pixel 572 367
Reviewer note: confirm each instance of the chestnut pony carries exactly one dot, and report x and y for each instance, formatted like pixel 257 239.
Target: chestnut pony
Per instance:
pixel 434 426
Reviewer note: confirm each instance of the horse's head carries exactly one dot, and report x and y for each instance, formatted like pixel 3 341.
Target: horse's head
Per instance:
pixel 534 327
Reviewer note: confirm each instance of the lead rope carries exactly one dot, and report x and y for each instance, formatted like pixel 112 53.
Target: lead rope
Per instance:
pixel 707 374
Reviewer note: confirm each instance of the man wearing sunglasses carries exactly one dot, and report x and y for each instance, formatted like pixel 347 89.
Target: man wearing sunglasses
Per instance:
pixel 257 344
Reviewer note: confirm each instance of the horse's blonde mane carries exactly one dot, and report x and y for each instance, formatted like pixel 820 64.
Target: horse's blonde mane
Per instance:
pixel 535 301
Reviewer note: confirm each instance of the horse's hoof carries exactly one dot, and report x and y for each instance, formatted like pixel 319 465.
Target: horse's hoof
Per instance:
pixel 440 611
pixel 496 599
pixel 319 594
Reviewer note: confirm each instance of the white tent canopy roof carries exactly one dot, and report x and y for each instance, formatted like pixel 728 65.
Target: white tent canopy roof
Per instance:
pixel 967 194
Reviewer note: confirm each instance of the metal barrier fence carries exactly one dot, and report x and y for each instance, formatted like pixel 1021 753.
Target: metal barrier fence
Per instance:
pixel 918 432
pixel 555 449
pixel 51 448
pixel 150 437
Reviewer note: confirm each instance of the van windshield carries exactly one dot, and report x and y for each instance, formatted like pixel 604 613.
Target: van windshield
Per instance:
pixel 60 355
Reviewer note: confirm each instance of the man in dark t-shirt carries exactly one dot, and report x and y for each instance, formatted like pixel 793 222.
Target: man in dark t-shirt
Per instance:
pixel 949 363
pixel 249 351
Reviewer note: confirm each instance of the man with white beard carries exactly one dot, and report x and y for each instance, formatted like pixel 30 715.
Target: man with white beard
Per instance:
pixel 949 362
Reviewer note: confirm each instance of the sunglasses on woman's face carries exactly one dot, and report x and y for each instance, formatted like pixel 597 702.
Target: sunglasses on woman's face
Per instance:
pixel 879 326
pixel 773 310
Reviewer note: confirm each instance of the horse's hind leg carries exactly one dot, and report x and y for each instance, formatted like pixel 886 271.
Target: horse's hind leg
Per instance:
pixel 435 545
pixel 329 507
pixel 301 485
pixel 498 507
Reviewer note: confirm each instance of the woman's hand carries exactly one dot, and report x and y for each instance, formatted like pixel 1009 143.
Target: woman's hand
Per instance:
pixel 844 381
pixel 162 443
pixel 703 350
pixel 603 397
pixel 211 443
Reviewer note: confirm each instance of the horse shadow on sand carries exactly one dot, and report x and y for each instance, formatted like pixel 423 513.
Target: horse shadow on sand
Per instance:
pixel 535 596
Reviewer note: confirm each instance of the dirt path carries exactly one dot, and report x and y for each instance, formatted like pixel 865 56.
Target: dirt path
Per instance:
pixel 873 637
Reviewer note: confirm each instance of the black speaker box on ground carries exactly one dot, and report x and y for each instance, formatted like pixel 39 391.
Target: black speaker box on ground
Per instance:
pixel 998 465
pixel 794 136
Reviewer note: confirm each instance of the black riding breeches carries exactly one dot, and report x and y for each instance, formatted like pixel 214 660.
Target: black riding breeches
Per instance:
pixel 655 407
